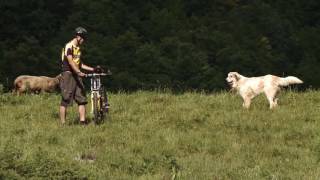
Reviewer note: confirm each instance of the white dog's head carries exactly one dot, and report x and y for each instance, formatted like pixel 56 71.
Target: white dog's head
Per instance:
pixel 233 78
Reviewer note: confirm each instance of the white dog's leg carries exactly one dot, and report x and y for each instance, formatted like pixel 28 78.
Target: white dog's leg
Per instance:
pixel 246 102
pixel 247 95
pixel 271 94
pixel 276 102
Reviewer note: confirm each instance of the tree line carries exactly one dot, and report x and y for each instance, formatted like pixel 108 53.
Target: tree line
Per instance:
pixel 175 44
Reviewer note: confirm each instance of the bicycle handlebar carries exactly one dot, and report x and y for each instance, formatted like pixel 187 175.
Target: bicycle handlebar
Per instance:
pixel 96 74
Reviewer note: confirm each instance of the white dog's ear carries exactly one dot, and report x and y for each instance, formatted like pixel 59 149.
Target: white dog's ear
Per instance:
pixel 237 76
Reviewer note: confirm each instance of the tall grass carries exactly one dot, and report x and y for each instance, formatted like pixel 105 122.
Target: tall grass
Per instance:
pixel 161 135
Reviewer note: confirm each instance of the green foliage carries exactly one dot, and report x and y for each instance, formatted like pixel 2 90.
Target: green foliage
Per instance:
pixel 1 89
pixel 175 44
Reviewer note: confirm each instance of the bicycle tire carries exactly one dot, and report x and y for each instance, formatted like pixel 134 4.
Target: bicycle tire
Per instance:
pixel 104 101
pixel 95 107
pixel 101 111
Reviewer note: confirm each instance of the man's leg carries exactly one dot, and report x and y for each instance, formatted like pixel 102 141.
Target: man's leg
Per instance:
pixel 63 112
pixel 82 113
pixel 81 99
pixel 67 85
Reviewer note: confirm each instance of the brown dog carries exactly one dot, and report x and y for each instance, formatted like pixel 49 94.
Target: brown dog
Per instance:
pixel 36 84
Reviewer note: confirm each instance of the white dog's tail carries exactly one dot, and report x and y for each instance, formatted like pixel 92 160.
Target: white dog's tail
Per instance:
pixel 289 80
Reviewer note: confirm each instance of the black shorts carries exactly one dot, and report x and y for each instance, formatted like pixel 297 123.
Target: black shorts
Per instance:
pixel 72 88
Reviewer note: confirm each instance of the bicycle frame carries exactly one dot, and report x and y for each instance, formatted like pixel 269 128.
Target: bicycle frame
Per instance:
pixel 99 100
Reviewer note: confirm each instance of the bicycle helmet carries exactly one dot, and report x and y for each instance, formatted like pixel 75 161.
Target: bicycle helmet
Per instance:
pixel 82 32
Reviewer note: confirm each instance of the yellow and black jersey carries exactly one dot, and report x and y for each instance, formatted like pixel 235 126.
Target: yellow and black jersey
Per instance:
pixel 75 52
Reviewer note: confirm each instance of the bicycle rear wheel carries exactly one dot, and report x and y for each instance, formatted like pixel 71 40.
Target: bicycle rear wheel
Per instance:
pixel 104 101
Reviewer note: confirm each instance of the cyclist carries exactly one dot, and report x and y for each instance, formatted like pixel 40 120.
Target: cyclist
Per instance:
pixel 72 87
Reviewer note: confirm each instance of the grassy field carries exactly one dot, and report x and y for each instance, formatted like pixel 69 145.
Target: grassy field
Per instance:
pixel 161 135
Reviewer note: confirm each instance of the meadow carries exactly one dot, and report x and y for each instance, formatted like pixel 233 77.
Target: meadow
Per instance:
pixel 163 135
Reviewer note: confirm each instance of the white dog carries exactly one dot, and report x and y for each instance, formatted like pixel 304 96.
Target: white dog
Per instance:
pixel 249 87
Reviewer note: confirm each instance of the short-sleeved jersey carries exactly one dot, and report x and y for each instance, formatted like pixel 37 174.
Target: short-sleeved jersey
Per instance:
pixel 72 50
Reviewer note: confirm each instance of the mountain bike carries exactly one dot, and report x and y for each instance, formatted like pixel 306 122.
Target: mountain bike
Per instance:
pixel 98 96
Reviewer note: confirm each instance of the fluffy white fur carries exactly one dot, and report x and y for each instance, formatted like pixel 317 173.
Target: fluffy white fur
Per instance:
pixel 249 87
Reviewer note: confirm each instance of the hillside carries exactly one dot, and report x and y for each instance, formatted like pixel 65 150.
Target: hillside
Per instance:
pixel 161 135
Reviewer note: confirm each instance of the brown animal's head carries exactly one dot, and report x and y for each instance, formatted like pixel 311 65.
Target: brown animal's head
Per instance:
pixel 233 78
pixel 59 77
pixel 53 83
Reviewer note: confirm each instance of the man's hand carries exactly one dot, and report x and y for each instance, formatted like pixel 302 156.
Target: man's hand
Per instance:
pixel 81 74
pixel 98 69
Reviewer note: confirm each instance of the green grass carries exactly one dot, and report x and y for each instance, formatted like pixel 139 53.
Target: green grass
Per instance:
pixel 160 135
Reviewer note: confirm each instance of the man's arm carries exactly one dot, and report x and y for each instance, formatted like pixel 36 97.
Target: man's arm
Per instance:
pixel 85 67
pixel 74 67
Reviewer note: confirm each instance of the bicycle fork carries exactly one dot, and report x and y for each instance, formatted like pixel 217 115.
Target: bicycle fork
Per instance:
pixel 92 101
pixel 95 87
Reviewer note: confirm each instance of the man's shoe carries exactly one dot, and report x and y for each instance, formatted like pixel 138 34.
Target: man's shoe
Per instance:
pixel 83 123
pixel 61 124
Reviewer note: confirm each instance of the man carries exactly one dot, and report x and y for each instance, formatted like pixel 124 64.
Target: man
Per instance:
pixel 71 85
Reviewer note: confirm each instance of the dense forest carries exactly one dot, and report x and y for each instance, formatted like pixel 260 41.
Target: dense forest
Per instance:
pixel 175 44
